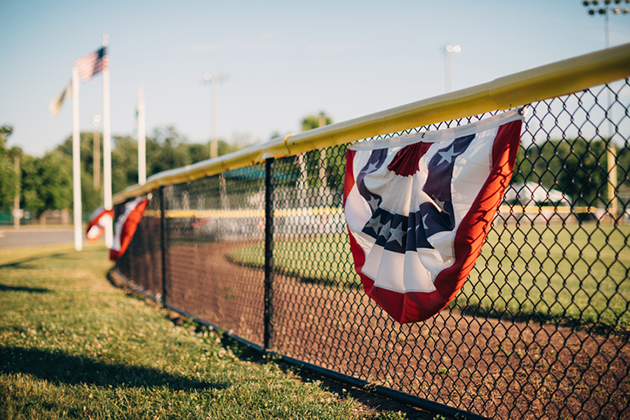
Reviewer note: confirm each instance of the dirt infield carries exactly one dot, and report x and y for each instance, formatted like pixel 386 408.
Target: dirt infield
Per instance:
pixel 495 368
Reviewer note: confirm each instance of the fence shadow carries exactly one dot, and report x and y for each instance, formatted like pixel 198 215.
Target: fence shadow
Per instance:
pixel 62 368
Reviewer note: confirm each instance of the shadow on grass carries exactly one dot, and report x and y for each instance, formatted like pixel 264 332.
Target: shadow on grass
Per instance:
pixel 5 288
pixel 373 401
pixel 73 370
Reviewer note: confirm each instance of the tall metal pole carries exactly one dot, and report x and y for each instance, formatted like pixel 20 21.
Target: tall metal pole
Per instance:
pixel 107 154
pixel 448 57
pixel 96 153
pixel 76 162
pixel 448 85
pixel 142 141
pixel 611 152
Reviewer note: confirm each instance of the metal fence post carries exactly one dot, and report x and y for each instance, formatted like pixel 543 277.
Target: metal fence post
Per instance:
pixel 268 316
pixel 163 242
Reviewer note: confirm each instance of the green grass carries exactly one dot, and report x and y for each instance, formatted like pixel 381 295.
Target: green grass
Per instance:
pixel 74 346
pixel 571 273
pixel 320 259
pixel 575 273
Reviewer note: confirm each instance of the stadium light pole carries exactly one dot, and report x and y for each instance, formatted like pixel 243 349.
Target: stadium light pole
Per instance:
pixel 449 50
pixel 605 8
pixel 213 79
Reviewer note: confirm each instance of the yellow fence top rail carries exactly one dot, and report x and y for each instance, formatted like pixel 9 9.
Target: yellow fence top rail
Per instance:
pixel 548 81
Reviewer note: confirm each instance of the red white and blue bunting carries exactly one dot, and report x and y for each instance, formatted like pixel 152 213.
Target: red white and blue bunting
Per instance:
pixel 419 209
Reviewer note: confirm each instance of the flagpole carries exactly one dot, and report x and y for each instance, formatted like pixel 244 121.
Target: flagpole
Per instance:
pixel 76 161
pixel 107 153
pixel 142 151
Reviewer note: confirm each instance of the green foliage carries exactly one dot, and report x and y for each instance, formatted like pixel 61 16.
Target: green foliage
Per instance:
pixel 576 167
pixel 334 158
pixel 314 121
pixel 47 182
pixel 166 149
pixel 7 171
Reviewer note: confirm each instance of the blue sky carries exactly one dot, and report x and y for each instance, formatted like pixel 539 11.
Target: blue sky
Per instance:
pixel 283 59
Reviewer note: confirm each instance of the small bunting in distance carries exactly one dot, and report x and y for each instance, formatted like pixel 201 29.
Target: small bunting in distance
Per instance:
pixel 126 226
pixel 96 225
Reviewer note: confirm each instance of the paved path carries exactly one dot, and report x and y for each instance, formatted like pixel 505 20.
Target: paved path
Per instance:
pixel 30 237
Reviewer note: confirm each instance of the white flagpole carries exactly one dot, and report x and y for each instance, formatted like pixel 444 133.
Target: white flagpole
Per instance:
pixel 142 150
pixel 107 154
pixel 76 162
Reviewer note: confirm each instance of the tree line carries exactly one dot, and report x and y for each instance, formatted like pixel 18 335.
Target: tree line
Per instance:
pixel 576 167
pixel 45 183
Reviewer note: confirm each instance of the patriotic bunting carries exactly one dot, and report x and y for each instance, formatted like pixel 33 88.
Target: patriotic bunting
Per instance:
pixel 96 225
pixel 126 226
pixel 419 208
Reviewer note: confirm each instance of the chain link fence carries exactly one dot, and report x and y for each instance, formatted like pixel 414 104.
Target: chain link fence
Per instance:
pixel 540 329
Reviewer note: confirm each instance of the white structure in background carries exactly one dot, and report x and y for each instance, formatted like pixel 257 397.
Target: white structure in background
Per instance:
pixel 529 195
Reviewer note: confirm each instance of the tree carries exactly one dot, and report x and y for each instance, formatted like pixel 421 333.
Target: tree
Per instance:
pixel 315 121
pixel 7 171
pixel 47 182
pixel 334 157
pixel 576 167
pixel 125 162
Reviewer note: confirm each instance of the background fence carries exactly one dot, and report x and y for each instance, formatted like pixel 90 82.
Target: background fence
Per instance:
pixel 540 329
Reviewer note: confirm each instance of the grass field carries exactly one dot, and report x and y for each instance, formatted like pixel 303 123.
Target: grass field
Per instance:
pixel 576 273
pixel 74 346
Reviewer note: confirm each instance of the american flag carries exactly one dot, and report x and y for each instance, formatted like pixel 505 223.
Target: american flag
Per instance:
pixel 92 64
pixel 419 209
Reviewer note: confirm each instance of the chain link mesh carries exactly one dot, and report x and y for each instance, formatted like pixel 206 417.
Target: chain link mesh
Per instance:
pixel 540 329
